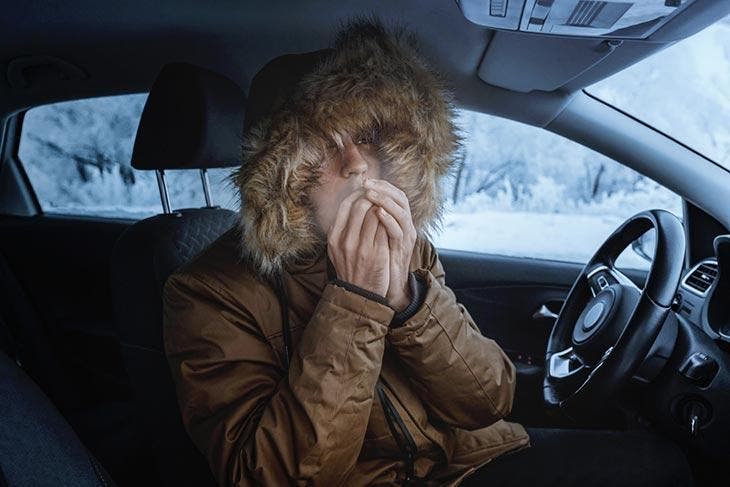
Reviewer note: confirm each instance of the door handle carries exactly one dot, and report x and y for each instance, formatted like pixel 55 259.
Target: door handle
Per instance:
pixel 544 313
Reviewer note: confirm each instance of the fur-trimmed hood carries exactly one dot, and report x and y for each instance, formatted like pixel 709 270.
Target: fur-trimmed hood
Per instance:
pixel 371 79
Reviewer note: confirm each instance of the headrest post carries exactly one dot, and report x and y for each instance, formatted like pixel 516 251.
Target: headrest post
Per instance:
pixel 206 186
pixel 163 190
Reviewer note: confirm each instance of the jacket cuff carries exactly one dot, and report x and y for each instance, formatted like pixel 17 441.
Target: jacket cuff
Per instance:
pixel 357 304
pixel 358 290
pixel 418 293
pixel 431 289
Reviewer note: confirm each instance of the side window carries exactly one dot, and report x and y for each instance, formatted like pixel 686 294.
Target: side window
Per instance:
pixel 77 157
pixel 519 190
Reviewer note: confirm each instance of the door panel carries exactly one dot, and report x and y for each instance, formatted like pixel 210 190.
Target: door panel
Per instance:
pixel 503 295
pixel 62 264
pixel 506 314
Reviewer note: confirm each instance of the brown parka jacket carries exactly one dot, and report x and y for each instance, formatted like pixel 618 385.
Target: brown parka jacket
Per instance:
pixel 321 420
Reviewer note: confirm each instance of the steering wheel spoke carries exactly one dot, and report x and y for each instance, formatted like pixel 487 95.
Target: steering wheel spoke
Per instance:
pixel 565 364
pixel 602 275
pixel 622 278
pixel 567 370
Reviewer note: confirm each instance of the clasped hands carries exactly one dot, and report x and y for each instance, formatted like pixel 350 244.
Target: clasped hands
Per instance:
pixel 371 241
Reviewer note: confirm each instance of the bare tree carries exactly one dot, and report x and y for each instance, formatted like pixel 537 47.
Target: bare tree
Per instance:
pixel 593 180
pixel 460 161
pixel 496 174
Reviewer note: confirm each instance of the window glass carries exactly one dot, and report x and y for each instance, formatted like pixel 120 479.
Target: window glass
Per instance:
pixel 516 190
pixel 684 91
pixel 77 157
pixel 522 191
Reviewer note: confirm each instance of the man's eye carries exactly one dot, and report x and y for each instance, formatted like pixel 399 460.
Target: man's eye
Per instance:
pixel 370 137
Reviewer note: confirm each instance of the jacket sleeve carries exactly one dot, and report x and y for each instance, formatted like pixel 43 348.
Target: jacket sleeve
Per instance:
pixel 256 423
pixel 464 378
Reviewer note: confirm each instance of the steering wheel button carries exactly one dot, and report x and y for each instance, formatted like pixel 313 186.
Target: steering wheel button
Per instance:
pixel 602 282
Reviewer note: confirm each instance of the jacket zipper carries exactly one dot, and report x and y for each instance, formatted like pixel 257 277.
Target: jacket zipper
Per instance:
pixel 400 432
pixel 397 427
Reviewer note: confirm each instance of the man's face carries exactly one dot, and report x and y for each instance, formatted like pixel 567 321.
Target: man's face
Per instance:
pixel 343 172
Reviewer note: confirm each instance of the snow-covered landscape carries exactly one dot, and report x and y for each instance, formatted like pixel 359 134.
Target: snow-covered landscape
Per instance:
pixel 515 189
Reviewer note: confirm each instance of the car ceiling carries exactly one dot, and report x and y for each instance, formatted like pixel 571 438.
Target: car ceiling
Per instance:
pixel 119 47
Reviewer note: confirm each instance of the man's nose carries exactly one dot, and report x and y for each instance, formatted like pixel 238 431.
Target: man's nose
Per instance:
pixel 353 163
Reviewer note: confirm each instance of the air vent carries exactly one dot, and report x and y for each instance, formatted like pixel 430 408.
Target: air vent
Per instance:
pixel 701 277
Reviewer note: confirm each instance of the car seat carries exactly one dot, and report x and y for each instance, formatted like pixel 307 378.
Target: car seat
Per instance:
pixel 193 119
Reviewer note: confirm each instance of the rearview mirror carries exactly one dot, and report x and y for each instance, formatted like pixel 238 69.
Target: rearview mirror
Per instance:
pixel 645 245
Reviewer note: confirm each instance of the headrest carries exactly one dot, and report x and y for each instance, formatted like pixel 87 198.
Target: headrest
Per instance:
pixel 193 119
pixel 276 81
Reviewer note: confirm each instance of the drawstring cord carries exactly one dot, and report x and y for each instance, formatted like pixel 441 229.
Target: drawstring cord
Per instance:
pixel 400 432
pixel 284 307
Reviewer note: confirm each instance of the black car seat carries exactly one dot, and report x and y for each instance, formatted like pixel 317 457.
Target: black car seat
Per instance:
pixel 193 119
pixel 98 406
pixel 37 446
pixel 25 339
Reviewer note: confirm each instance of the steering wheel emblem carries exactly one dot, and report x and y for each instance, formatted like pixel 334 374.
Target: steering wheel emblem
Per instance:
pixel 593 317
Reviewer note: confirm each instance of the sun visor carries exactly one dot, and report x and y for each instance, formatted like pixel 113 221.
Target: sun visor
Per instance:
pixel 636 19
pixel 546 45
pixel 525 63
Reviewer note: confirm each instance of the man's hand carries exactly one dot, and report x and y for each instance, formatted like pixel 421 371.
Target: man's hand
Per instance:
pixel 357 245
pixel 394 213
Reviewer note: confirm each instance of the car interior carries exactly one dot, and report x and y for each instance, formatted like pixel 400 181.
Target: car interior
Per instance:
pixel 87 397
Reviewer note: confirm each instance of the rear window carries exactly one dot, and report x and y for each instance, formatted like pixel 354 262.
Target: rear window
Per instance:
pixel 77 157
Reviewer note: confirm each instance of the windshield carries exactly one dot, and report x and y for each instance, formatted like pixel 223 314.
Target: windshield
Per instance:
pixel 684 91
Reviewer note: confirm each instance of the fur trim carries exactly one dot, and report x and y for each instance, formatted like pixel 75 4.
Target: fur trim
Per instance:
pixel 372 80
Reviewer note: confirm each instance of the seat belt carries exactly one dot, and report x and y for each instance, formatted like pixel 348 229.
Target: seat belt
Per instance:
pixel 8 342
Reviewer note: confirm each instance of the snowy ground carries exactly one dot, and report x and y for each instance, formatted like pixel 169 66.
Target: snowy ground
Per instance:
pixel 567 237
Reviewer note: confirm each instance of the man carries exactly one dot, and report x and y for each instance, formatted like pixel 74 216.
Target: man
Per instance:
pixel 317 342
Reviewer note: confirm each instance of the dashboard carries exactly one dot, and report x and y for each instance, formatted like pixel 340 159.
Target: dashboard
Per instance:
pixel 690 398
pixel 703 298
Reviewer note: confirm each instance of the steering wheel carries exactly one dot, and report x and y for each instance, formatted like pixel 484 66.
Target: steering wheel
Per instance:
pixel 607 324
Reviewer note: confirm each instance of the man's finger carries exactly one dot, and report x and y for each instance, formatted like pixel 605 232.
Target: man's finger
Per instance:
pixel 387 188
pixel 396 211
pixel 381 238
pixel 391 225
pixel 354 223
pixel 369 227
pixel 343 214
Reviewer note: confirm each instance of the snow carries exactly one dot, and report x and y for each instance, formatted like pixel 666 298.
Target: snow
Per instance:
pixel 553 236
pixel 545 222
